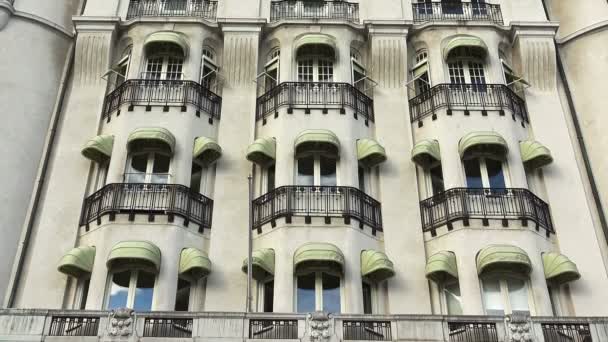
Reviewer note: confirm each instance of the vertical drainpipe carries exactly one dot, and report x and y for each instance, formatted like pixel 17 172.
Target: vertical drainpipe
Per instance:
pixel 579 137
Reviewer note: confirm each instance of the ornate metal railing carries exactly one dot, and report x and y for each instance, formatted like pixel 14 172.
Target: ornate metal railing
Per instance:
pixel 469 11
pixel 483 97
pixel 289 9
pixel 172 8
pixel 74 326
pixel 166 93
pixel 472 332
pixel 484 203
pixel 273 329
pixel 367 330
pixel 315 95
pixel 570 332
pixel 317 201
pixel 168 327
pixel 151 199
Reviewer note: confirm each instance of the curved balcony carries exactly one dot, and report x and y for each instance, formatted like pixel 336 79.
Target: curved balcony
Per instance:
pixel 312 10
pixel 317 201
pixel 485 204
pixel 174 8
pixel 467 97
pixel 162 93
pixel 150 199
pixel 466 11
pixel 314 95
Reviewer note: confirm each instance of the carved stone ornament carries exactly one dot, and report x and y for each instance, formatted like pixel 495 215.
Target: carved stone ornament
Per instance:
pixel 519 328
pixel 319 326
pixel 121 322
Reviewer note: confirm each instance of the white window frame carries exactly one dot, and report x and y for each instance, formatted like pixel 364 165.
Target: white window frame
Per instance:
pixel 443 296
pixel 273 64
pixel 316 64
pixel 209 79
pixel 319 288
pixel 428 179
pixel 151 157
pixel 504 291
pixel 485 179
pixel 373 295
pixel 317 167
pixel 261 295
pixel 134 270
pixel 205 172
pixel 466 69
pixel 79 295
pixel 166 61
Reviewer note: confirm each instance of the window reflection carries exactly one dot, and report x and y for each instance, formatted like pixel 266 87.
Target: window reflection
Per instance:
pixel 119 290
pixel 331 293
pixel 328 171
pixel 472 171
pixel 144 291
pixel 306 293
pixel 306 171
pixel 318 291
pixel 495 174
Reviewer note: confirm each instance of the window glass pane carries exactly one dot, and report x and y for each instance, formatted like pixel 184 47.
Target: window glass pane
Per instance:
pixel 477 73
pixel 492 297
pixel 139 163
pixel 451 6
pixel 328 171
pixel 119 290
pixel 361 179
pixel 160 169
pixel 182 298
pixel 305 73
pixel 269 296
pixel 326 71
pixel 306 171
pixel 473 173
pixel 270 178
pixel 331 293
pixel 367 298
pixel 144 291
pixel 174 68
pixel 453 299
pixel 437 180
pixel 422 84
pixel 195 178
pixel 456 71
pixel 518 295
pixel 85 294
pixel 154 68
pixel 306 293
pixel 271 79
pixel 495 174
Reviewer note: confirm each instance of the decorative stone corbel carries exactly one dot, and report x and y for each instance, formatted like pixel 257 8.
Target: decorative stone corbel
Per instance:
pixel 320 328
pixel 519 328
pixel 6 12
pixel 121 322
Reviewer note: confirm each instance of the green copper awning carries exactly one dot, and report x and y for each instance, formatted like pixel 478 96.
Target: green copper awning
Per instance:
pixel 426 153
pixel 420 70
pixel 99 149
pixel 317 140
pixel 376 265
pixel 263 151
pixel 206 150
pixel 465 41
pixel 137 252
pixel 559 269
pixel 78 261
pixel 194 263
pixel 503 258
pixel 441 267
pixel 318 254
pixel 168 37
pixel 318 40
pixel 262 261
pixel 151 137
pixel 482 143
pixel 370 153
pixel 535 154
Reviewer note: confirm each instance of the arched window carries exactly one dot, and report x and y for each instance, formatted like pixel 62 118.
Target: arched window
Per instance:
pixel 318 291
pixel 466 66
pixel 315 63
pixel 164 62
pixel 209 69
pixel 148 166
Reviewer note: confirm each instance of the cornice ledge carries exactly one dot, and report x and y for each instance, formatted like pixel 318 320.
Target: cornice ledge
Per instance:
pixel 547 29
pixel 388 27
pixel 250 25
pixel 310 22
pixel 7 7
pixel 162 20
pixel 95 24
pixel 579 33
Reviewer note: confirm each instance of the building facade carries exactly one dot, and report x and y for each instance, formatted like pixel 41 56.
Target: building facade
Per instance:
pixel 415 175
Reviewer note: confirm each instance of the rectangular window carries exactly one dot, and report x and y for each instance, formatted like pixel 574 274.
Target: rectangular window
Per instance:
pixel 143 291
pixel 84 293
pixel 456 71
pixel 492 297
pixel 326 71
pixel 328 171
pixel 496 176
pixel 472 170
pixel 518 295
pixel 174 68
pixel 367 298
pixel 306 293
pixel 422 84
pixel 437 183
pixel 269 296
pixel 305 70
pixel 361 176
pixel 119 290
pixel 270 178
pixel 331 293
pixel 182 298
pixel 453 299
pixel 306 167
pixel 154 68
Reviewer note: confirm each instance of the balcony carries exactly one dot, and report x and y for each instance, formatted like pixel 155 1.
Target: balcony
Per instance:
pixel 367 330
pixel 273 329
pixel 314 95
pixel 168 327
pixel 162 93
pixel 465 11
pixel 467 97
pixel 317 201
pixel 172 8
pixel 485 204
pixel 313 10
pixel 150 199
pixel 77 325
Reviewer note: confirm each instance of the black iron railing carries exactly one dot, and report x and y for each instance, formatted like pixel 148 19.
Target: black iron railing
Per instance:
pixel 166 93
pixel 172 8
pixel 315 95
pixel 483 97
pixel 273 329
pixel 341 10
pixel 367 330
pixel 168 327
pixel 468 11
pixel 317 201
pixel 484 203
pixel 74 326
pixel 566 332
pixel 472 332
pixel 151 199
